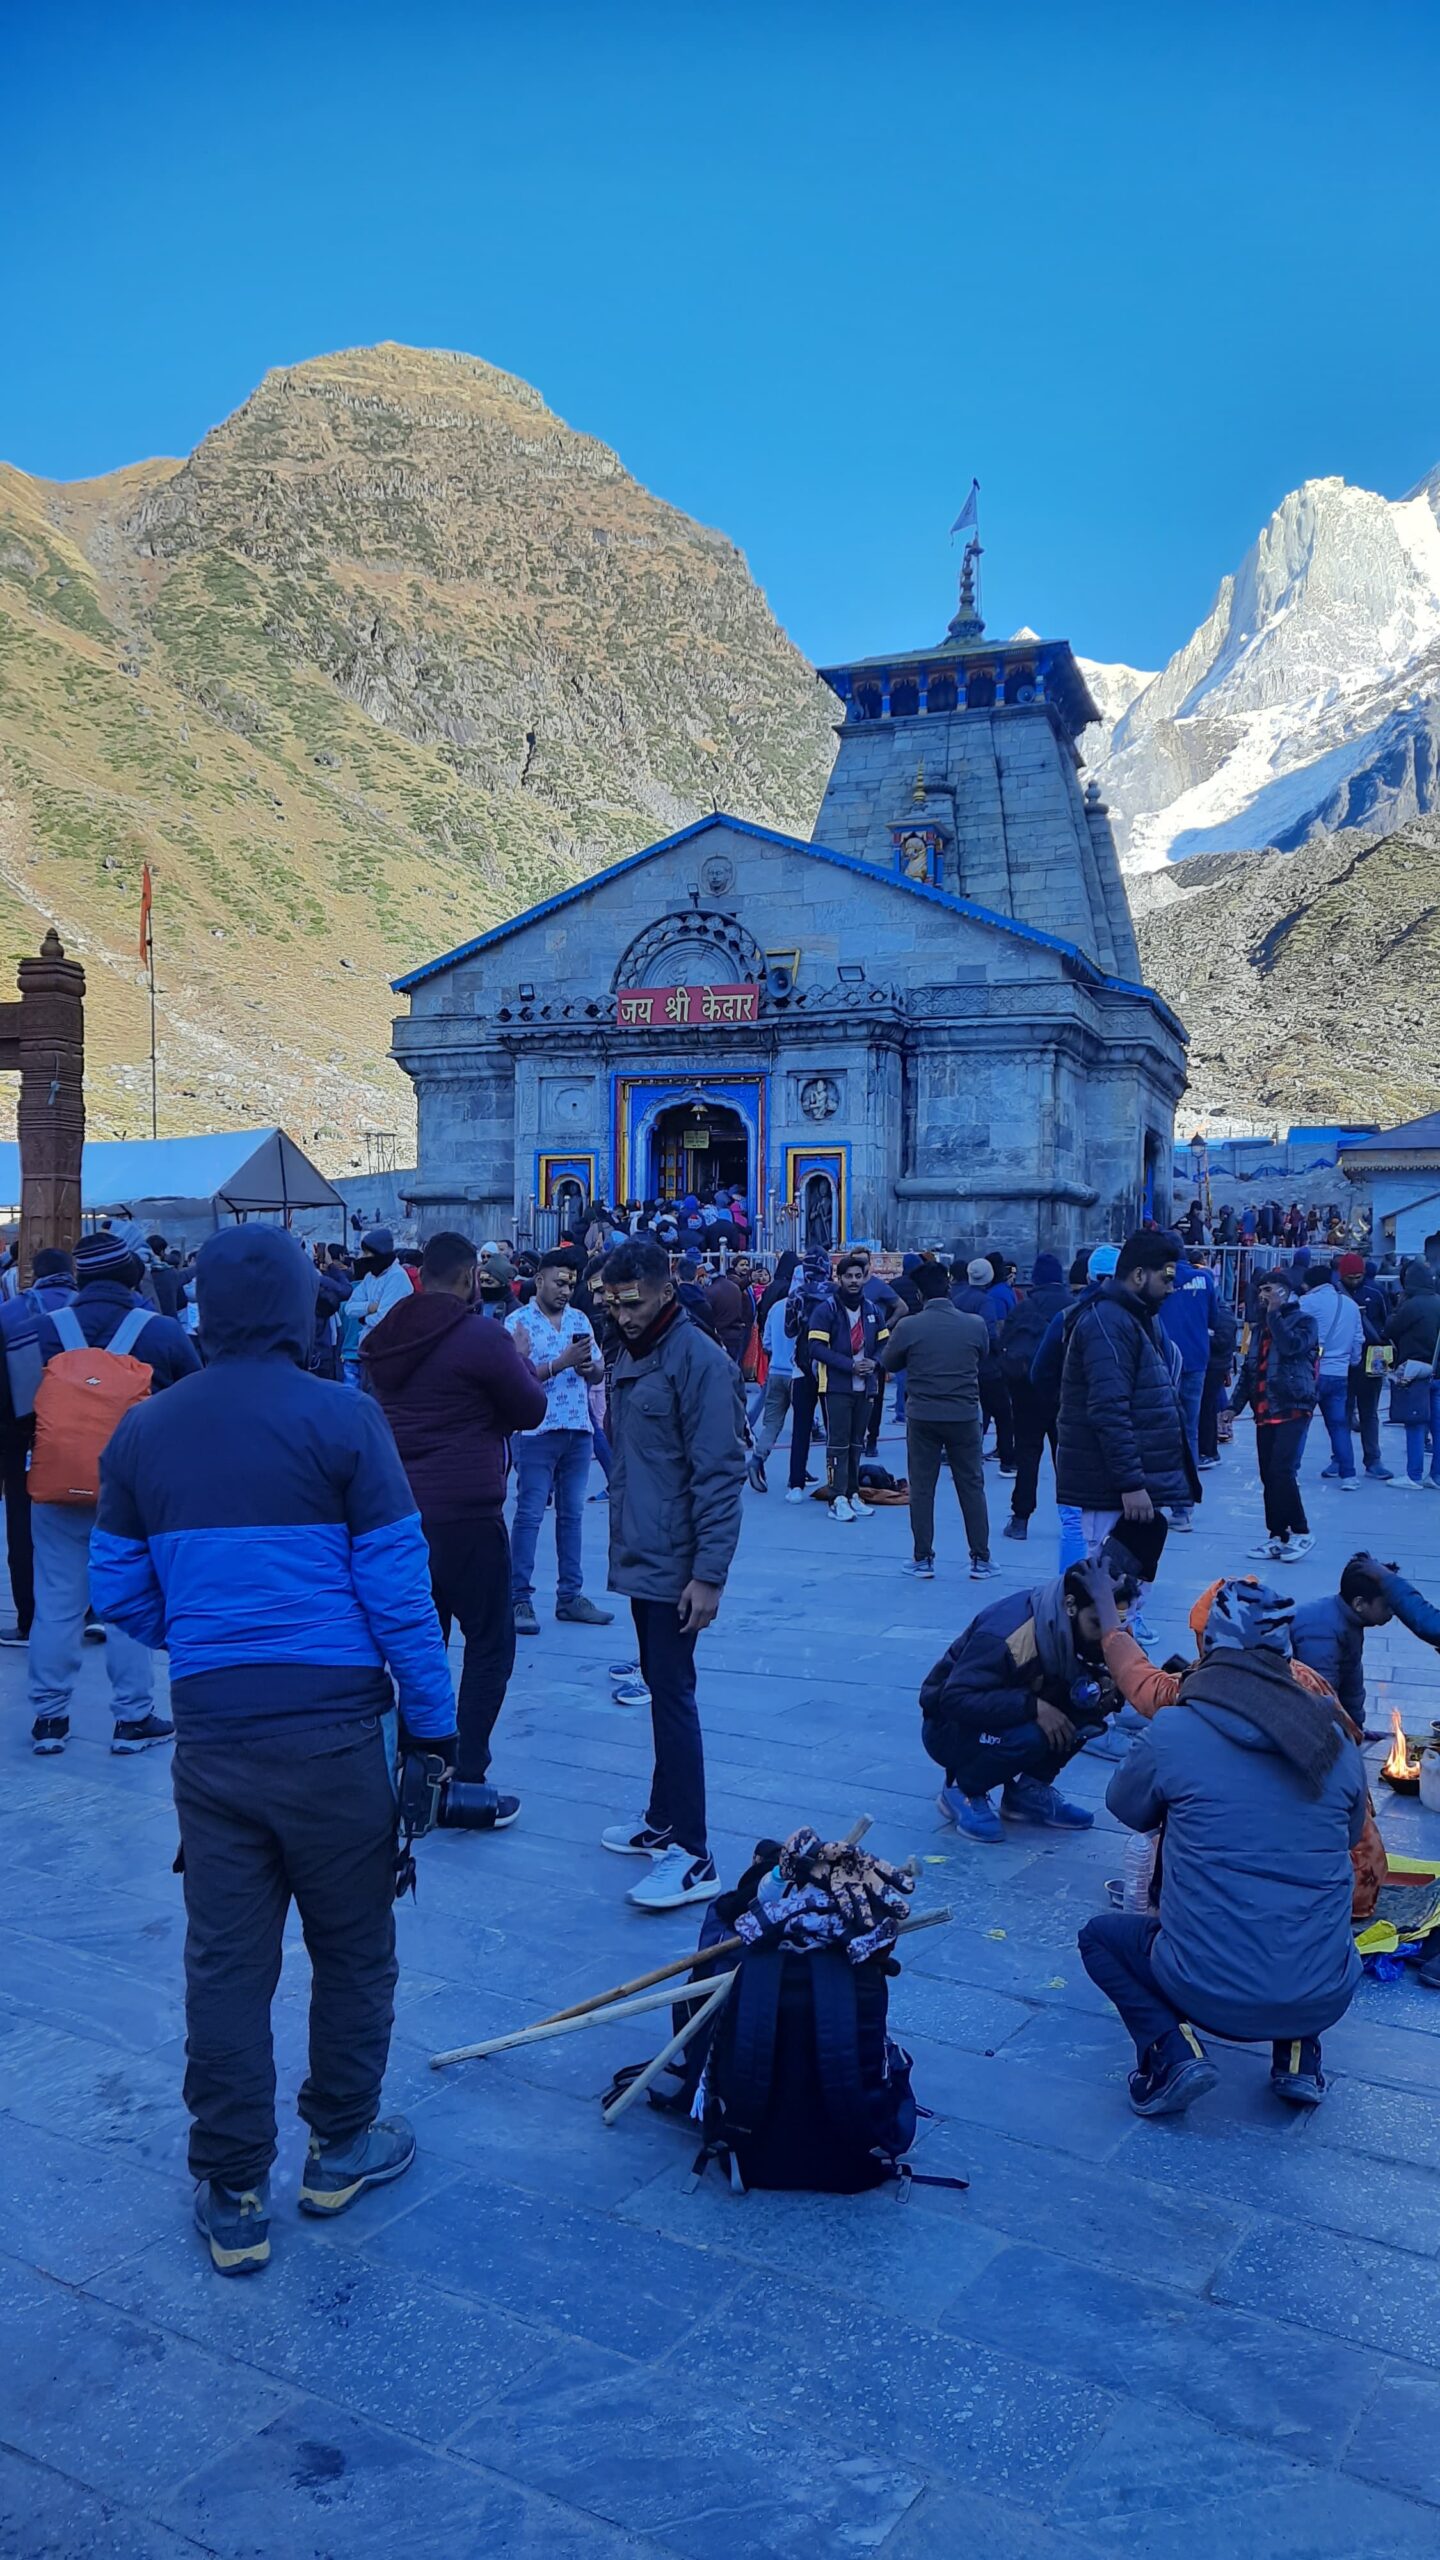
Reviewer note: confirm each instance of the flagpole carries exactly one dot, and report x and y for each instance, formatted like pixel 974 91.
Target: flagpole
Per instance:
pixel 154 1084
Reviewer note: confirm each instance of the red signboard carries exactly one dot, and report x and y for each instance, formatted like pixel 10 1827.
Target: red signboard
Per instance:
pixel 661 1008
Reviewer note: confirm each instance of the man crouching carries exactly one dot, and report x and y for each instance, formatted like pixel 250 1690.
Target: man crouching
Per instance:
pixel 1261 1793
pixel 1016 1696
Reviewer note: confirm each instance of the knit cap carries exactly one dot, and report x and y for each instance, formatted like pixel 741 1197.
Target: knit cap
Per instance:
pixel 102 1256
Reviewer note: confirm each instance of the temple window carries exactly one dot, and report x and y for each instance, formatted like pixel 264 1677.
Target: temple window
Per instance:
pixel 979 690
pixel 943 692
pixel 867 702
pixel 1019 684
pixel 904 697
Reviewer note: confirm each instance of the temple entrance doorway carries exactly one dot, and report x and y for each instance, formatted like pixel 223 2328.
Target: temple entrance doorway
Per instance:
pixel 697 1146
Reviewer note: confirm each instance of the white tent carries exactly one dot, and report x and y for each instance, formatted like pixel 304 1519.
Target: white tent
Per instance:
pixel 231 1172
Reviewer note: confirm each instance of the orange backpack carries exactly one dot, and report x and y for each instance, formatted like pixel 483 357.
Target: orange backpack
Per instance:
pixel 80 1403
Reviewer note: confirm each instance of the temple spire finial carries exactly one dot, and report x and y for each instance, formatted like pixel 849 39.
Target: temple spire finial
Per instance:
pixel 967 623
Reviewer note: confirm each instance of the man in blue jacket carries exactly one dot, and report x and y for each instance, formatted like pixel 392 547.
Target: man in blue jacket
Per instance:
pixel 1262 1796
pixel 1329 1635
pixel 257 1521
pixel 1187 1317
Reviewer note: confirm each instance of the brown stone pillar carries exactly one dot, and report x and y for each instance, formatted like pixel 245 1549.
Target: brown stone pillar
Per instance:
pixel 50 1023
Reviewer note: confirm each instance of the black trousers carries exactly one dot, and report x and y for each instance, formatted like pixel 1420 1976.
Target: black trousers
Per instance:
pixel 667 1667
pixel 1365 1393
pixel 876 1415
pixel 1278 1447
pixel 1034 1419
pixel 1208 1435
pixel 846 1415
pixel 995 1407
pixel 311 1819
pixel 470 1578
pixel 803 1400
pixel 16 1442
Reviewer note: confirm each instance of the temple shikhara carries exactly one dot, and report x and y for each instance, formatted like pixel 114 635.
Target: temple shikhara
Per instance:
pixel 926 1021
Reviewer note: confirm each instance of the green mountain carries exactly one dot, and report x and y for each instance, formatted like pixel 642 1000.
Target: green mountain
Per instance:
pixel 392 655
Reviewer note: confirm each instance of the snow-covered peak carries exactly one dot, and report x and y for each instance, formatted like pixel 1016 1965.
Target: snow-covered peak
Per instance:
pixel 1308 698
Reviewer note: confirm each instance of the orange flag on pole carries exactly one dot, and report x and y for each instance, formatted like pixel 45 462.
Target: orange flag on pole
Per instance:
pixel 146 902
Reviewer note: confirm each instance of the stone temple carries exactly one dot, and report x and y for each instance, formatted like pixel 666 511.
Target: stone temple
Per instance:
pixel 927 1022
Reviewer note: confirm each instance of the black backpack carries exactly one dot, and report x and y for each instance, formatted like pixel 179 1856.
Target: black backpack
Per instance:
pixel 804 2086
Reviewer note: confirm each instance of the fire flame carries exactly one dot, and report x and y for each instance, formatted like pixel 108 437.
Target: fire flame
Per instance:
pixel 1399 1764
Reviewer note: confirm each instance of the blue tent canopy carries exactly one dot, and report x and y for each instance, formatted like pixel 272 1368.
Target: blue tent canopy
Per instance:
pixel 233 1170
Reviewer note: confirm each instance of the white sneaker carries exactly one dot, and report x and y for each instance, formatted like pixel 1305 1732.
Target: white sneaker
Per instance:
pixel 795 1493
pixel 635 1840
pixel 677 1877
pixel 840 1509
pixel 1408 1484
pixel 1290 1550
pixel 1269 1548
pixel 860 1510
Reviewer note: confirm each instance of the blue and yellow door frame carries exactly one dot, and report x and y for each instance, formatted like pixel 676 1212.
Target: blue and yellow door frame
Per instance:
pixel 636 1105
pixel 834 1163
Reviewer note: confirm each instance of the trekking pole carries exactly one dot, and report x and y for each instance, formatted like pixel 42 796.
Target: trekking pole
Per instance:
pixel 587 2018
pixel 719 1994
pixel 585 2010
pixel 683 1964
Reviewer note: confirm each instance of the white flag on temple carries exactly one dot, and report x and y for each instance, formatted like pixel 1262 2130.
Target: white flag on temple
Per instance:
pixel 969 513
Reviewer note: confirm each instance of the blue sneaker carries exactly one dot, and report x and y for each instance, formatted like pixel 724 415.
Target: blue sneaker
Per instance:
pixel 1030 1800
pixel 923 1568
pixel 974 1815
pixel 236 2225
pixel 1295 2072
pixel 337 2172
pixel 1381 1475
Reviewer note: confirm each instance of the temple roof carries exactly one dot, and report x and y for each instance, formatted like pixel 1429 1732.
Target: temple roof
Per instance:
pixel 1076 960
pixel 1064 683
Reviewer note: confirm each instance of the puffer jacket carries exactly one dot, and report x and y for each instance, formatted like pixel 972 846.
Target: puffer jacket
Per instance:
pixel 256 1522
pixel 1415 1325
pixel 677 1469
pixel 1120 1427
pixel 1327 1635
pixel 1255 1939
pixel 1013 1654
pixel 1278 1372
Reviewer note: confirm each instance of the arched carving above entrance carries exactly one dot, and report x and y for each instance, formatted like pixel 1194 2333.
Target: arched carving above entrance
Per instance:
pixel 690 947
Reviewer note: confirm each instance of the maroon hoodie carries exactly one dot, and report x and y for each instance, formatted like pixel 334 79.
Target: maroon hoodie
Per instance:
pixel 453 1388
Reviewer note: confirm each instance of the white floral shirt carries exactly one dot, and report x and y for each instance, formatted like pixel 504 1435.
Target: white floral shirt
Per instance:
pixel 567 1396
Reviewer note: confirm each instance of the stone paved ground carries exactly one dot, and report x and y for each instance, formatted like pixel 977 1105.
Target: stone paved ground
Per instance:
pixel 1219 2336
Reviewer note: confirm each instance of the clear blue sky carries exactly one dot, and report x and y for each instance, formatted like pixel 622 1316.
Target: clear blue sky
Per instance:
pixel 807 268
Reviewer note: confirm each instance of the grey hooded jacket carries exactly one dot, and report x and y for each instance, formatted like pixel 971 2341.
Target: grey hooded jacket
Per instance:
pixel 678 1471
pixel 1256 1880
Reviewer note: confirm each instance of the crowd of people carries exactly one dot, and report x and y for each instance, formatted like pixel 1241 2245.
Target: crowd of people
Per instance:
pixel 301 1495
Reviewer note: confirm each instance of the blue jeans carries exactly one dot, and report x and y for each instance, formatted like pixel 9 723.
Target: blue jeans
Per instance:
pixel 1334 1398
pixel 549 1462
pixel 62 1596
pixel 1415 1441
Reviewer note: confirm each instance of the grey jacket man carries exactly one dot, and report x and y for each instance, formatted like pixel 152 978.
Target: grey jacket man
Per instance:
pixel 678 1471
pixel 1255 1937
pixel 939 1351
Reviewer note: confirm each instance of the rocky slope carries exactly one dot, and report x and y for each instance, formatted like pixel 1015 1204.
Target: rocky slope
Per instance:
pixel 1310 981
pixel 1307 702
pixel 394 653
